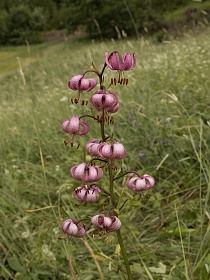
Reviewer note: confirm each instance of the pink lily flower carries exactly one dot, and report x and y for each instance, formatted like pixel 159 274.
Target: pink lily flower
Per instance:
pixel 101 100
pixel 71 227
pixel 86 173
pixel 140 183
pixel 108 223
pixel 87 194
pixel 120 63
pixel 115 62
pixel 74 126
pixel 80 84
pixel 111 151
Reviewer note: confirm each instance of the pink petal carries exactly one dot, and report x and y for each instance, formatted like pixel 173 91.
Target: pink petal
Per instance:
pixel 85 128
pixel 75 82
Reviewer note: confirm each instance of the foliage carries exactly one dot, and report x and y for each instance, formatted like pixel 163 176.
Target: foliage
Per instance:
pixel 22 24
pixel 99 19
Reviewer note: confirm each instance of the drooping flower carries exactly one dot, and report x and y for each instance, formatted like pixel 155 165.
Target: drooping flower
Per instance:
pixel 120 63
pixel 142 183
pixel 108 223
pixel 111 151
pixel 115 62
pixel 72 228
pixel 74 126
pixel 85 173
pixel 87 194
pixel 92 148
pixel 101 100
pixel 80 84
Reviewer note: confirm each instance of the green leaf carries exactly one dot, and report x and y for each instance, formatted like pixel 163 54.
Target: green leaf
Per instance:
pixel 161 269
pixel 14 264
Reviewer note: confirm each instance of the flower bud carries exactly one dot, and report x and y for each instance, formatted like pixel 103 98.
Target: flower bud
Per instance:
pixel 92 148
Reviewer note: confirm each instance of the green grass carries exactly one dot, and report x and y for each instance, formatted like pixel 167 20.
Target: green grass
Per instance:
pixel 164 115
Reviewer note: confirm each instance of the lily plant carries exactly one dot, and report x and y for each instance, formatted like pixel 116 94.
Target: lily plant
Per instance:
pixel 104 151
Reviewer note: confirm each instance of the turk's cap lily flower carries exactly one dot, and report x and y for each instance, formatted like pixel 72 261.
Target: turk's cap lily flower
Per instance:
pixel 92 148
pixel 71 227
pixel 121 63
pixel 78 82
pixel 101 100
pixel 74 126
pixel 111 151
pixel 108 223
pixel 142 183
pixel 85 173
pixel 87 194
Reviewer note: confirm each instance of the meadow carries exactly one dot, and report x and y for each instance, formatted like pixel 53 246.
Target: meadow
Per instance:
pixel 164 123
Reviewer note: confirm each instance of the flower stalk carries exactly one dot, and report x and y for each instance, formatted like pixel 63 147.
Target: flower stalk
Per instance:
pixel 105 150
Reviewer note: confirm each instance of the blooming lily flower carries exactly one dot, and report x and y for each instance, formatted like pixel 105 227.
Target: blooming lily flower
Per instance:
pixel 111 151
pixel 86 194
pixel 120 63
pixel 86 173
pixel 108 223
pixel 115 62
pixel 71 227
pixel 101 100
pixel 140 183
pixel 79 83
pixel 74 126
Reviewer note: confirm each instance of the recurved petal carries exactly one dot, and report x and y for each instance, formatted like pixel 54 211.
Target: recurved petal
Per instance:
pixel 97 221
pixel 77 171
pixel 116 224
pixel 81 231
pixel 127 61
pixel 151 181
pixel 74 82
pixel 74 125
pixel 112 60
pixel 119 151
pixel 107 222
pixel 92 84
pixel 85 128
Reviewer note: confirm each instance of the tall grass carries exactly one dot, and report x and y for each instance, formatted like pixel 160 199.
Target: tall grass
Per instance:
pixel 164 123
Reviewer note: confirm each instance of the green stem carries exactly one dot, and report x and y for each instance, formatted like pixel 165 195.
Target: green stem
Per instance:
pixel 111 186
pixel 125 257
pixel 119 236
pixel 102 126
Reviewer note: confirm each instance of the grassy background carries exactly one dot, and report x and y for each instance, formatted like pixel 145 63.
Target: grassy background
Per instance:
pixel 164 123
